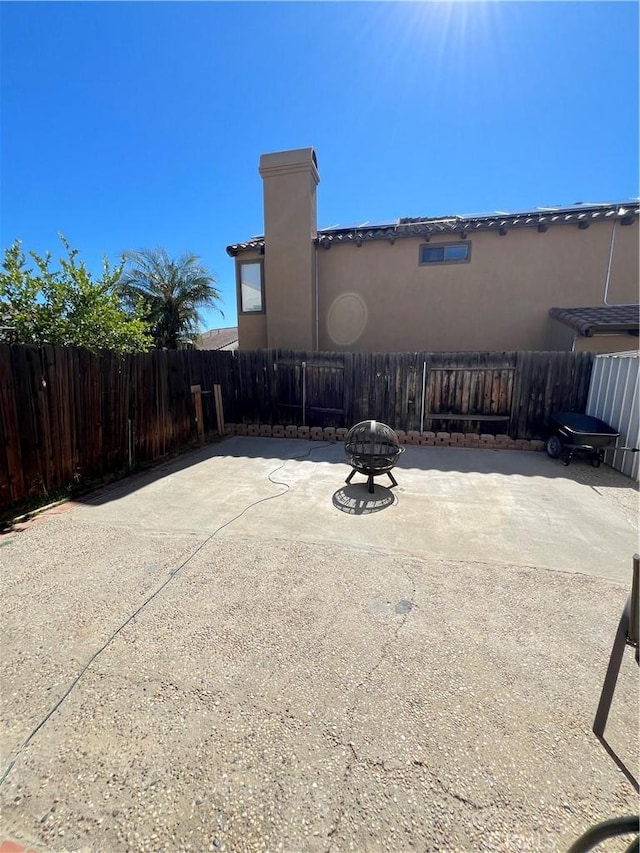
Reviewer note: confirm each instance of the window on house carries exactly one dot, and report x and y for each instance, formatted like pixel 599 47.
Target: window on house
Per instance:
pixel 250 282
pixel 445 253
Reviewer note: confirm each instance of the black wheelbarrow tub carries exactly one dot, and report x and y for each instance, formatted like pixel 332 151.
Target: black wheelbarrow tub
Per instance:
pixel 584 430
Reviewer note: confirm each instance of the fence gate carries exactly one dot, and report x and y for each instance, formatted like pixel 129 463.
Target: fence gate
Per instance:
pixel 323 385
pixel 468 399
pixel 309 392
pixel 288 391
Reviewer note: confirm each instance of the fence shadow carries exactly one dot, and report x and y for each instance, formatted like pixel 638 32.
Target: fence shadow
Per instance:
pixel 459 459
pixel 440 459
pixel 139 479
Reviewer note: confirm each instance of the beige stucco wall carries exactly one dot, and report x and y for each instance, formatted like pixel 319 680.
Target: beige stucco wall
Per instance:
pixel 378 298
pixel 559 336
pixel 252 331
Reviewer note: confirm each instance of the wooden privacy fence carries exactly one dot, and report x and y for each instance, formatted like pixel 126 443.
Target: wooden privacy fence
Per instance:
pixel 502 392
pixel 69 415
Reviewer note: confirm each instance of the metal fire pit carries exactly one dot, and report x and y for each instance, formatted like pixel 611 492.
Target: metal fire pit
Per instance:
pixel 372 448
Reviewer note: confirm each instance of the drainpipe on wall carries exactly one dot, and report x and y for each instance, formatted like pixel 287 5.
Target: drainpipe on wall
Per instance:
pixel 608 276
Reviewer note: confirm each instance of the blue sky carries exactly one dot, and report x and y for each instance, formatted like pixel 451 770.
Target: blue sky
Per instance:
pixel 135 125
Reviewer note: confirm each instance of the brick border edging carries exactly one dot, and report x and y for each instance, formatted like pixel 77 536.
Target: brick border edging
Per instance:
pixel 429 439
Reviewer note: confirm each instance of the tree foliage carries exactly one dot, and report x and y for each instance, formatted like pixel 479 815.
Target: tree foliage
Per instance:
pixel 65 306
pixel 169 293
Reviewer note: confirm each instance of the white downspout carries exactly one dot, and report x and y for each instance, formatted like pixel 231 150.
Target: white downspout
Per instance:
pixel 608 276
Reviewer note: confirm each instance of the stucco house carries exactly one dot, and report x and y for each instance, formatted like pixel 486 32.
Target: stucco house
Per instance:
pixel 481 282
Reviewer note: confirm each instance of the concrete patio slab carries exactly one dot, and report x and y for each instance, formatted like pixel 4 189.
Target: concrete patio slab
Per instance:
pixel 454 503
pixel 327 672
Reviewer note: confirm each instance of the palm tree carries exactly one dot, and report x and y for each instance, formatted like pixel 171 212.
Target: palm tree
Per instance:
pixel 169 293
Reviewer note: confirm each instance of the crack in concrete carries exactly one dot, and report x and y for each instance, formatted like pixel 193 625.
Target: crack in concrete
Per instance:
pixel 454 796
pixel 354 758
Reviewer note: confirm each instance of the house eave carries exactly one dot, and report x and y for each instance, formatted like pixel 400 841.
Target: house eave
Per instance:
pixel 463 227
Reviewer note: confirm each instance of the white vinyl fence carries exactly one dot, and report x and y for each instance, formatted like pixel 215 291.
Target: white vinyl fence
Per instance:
pixel 614 397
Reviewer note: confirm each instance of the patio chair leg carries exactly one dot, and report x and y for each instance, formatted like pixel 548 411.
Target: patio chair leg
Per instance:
pixel 350 477
pixel 371 488
pixel 392 478
pixel 613 670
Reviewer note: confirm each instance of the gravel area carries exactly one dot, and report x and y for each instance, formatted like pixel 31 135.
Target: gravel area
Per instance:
pixel 179 672
pixel 279 695
pixel 66 585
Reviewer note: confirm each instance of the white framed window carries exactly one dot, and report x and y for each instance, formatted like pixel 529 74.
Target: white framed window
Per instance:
pixel 445 253
pixel 251 287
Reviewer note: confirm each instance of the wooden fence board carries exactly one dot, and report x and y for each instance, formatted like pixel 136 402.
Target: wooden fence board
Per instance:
pixel 12 481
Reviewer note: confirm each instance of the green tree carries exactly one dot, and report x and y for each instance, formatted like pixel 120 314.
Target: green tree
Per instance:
pixel 169 293
pixel 65 306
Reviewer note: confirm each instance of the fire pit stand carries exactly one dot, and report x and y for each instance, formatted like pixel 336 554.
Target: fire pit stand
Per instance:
pixel 372 448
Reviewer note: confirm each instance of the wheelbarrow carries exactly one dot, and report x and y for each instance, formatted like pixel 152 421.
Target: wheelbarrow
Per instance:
pixel 578 434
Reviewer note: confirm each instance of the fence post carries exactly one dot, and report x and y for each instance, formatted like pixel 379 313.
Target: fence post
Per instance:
pixel 304 393
pixel 130 441
pixel 424 382
pixel 197 402
pixel 217 396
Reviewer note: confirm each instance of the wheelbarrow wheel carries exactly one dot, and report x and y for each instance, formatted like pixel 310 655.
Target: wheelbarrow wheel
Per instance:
pixel 554 447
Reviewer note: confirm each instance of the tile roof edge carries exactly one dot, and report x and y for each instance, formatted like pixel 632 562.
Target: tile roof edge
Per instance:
pixel 414 227
pixel 579 320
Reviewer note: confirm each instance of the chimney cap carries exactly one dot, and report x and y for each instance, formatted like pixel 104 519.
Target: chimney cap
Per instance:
pixel 286 162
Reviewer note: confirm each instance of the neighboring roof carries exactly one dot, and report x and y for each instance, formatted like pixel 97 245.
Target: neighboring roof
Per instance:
pixel 605 318
pixel 578 214
pixel 226 339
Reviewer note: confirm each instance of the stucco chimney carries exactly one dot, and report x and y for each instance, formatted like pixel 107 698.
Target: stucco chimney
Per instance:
pixel 290 179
